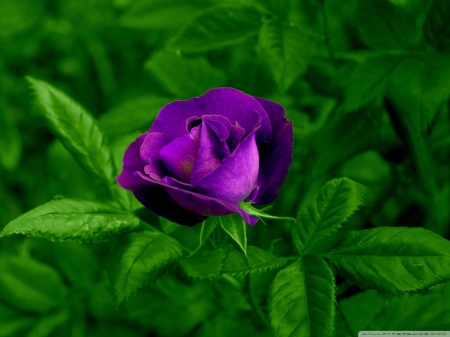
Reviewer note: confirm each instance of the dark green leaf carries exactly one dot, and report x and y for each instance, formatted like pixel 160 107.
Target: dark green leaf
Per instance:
pixel 235 227
pixel 369 80
pixel 47 324
pixel 218 27
pixel 30 285
pixel 393 258
pixel 207 264
pixel 384 24
pixel 301 299
pixel 258 261
pixel 436 28
pixel 10 141
pixel 139 260
pixel 161 14
pixel 13 322
pixel 72 219
pixel 419 86
pixel 287 50
pixel 134 115
pixel 185 77
pixel 76 129
pixel 327 210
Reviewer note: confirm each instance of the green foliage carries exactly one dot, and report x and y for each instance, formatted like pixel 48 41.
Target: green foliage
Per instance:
pixel 301 299
pixel 208 227
pixel 218 27
pixel 30 285
pixel 71 219
pixel 325 212
pixel 235 227
pixel 207 264
pixel 287 49
pixel 140 259
pixel 185 77
pixel 393 258
pixel 76 129
pixel 10 141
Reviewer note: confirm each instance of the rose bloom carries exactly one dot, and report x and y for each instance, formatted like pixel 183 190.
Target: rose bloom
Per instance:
pixel 204 156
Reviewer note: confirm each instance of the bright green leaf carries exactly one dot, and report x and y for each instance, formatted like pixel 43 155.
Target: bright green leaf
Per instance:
pixel 258 261
pixel 327 210
pixel 236 228
pixel 393 258
pixel 260 214
pixel 218 27
pixel 207 264
pixel 419 86
pixel 139 260
pixel 301 299
pixel 76 129
pixel 185 77
pixel 10 141
pixel 287 50
pixel 30 285
pixel 72 219
pixel 208 227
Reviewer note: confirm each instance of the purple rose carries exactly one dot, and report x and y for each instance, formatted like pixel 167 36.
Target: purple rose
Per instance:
pixel 206 155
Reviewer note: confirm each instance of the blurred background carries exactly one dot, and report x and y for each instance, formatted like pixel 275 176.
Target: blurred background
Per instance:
pixel 125 59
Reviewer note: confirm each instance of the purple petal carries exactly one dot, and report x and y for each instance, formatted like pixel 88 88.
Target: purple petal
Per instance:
pixel 179 155
pixel 236 134
pixel 228 102
pixel 236 177
pixel 200 204
pixel 212 150
pixel 132 162
pixel 276 159
pixel 149 153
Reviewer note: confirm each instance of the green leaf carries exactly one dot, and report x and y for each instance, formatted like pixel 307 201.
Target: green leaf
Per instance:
pixel 77 262
pixel 369 302
pixel 247 206
pixel 208 227
pixel 341 328
pixel 185 77
pixel 393 259
pixel 72 219
pixel 258 261
pixel 368 81
pixel 217 27
pixel 139 260
pixel 235 227
pixel 436 28
pixel 133 115
pixel 419 86
pixel 287 50
pixel 301 299
pixel 161 14
pixel 30 285
pixel 207 264
pixel 327 210
pixel 10 141
pixel 76 129
pixel 13 322
pixel 46 325
pixel 399 311
pixel 383 24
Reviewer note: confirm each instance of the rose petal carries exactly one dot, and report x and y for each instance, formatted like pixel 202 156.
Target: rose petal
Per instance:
pixel 236 177
pixel 179 155
pixel 236 134
pixel 212 150
pixel 276 159
pixel 200 204
pixel 228 102
pixel 149 153
pixel 132 162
